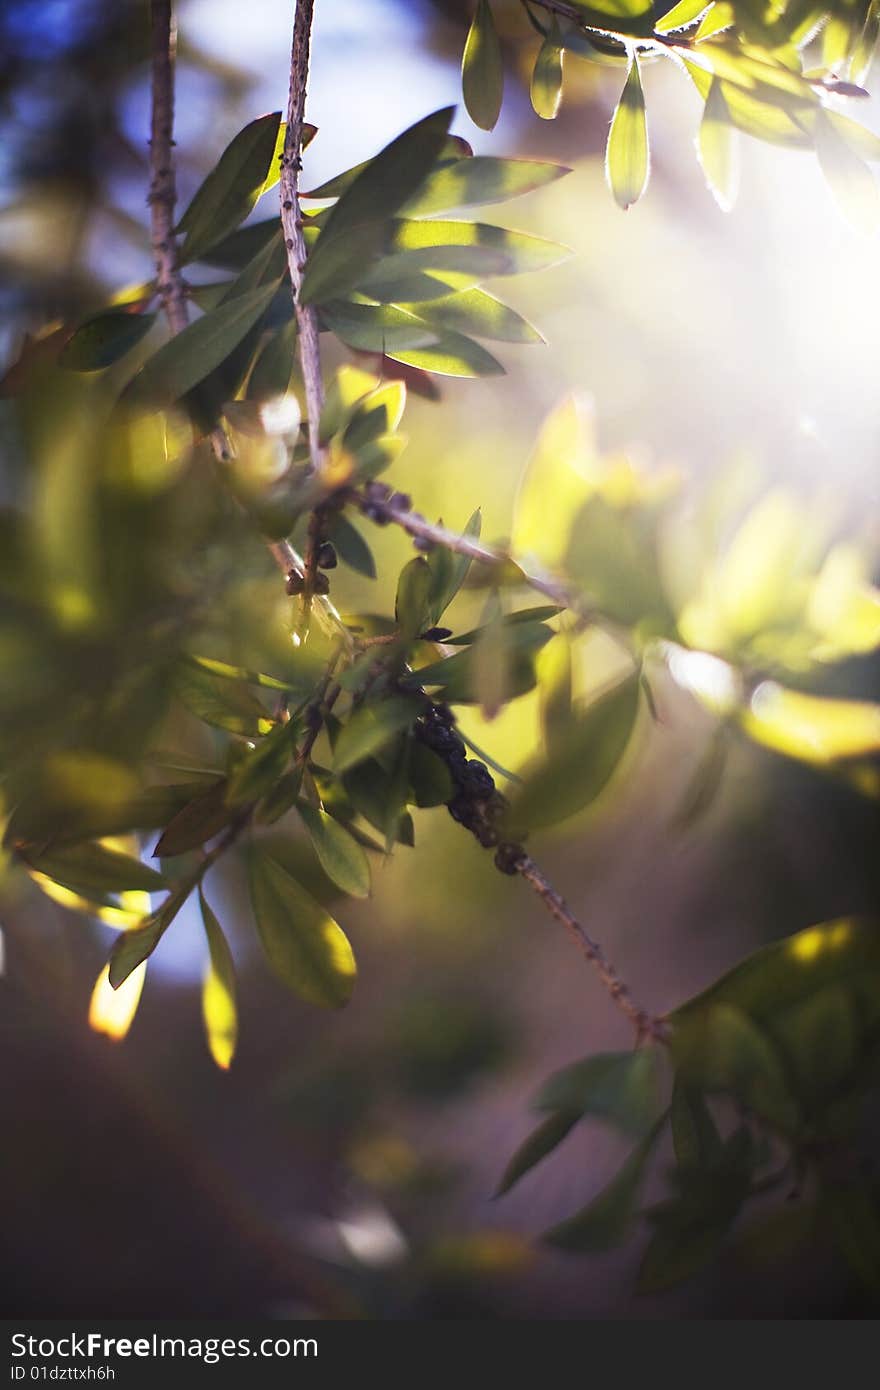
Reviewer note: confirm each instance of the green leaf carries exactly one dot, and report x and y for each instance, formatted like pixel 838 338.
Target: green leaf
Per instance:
pixel 413 595
pixel 582 761
pixel 195 823
pixel 454 148
pixel 721 1048
pixel 546 84
pixel 477 313
pixel 352 548
pixel 604 1222
pixel 621 1087
pixel 850 1211
pixel 457 675
pixel 717 148
pixel 482 69
pixel 695 1136
pixel 478 181
pixel 340 856
pixel 134 947
pixel 681 15
pixel 849 178
pixel 370 728
pixel 690 1229
pixel 538 614
pixel 430 781
pixel 555 689
pixel 241 674
pixel 490 660
pixel 230 191
pixel 259 768
pixel 626 155
pixel 451 355
pixel 460 249
pixel 189 357
pixel 377 796
pixel 102 340
pixel 546 1137
pixel 219 1010
pixel 376 415
pixel 355 228
pixel 280 798
pixel 220 702
pixel 90 869
pixel 449 569
pixel 306 948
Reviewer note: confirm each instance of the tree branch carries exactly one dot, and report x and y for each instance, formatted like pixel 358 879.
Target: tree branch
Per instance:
pixel 646 1024
pixel 430 535
pixel 163 190
pixel 306 316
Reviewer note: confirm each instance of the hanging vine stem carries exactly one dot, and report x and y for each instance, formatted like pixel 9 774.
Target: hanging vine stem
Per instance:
pixel 162 202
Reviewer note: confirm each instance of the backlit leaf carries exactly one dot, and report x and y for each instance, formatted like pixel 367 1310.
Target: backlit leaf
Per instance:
pixel 546 84
pixel 717 148
pixel 626 155
pixel 811 727
pixel 112 1011
pixel 482 69
pixel 219 1010
pixel 849 178
pixel 306 948
pixel 370 728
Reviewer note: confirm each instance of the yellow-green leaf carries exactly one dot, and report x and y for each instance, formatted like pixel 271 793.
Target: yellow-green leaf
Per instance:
pixel 306 948
pixel 626 155
pixel 482 69
pixel 848 176
pixel 717 148
pixel 219 1010
pixel 111 1011
pixel 811 727
pixel 546 84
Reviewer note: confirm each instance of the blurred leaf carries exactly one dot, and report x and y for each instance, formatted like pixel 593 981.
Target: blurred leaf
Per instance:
pixel 546 83
pixel 354 230
pixel 379 798
pixel 341 857
pixel 112 1011
pixel 280 798
pixel 849 178
pixel 370 728
pixel 810 727
pixel 717 148
pixel 621 1087
pixel 581 762
pixel 221 702
pixel 482 69
pixel 695 1136
pixel 375 415
pixel 850 1212
pixel 241 674
pixel 198 821
pixel 90 869
pixel 413 595
pixel 555 688
pixel 721 1048
pixel 626 155
pixel 457 675
pixel 559 467
pixel 102 340
pixel 604 1222
pixel 219 1010
pixel 190 356
pixel 689 1229
pixel 546 1137
pixel 490 659
pixel 704 783
pixel 231 189
pixel 306 948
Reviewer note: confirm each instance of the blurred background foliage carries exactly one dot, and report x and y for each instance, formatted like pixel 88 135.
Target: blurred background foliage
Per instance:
pixel 720 367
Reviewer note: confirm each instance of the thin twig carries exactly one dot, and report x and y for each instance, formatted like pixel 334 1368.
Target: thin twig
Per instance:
pixel 415 525
pixel 646 1024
